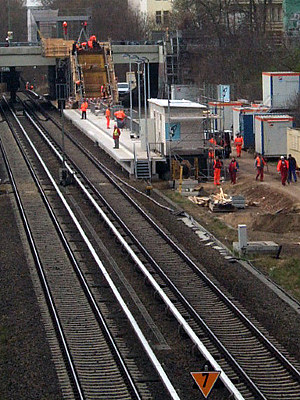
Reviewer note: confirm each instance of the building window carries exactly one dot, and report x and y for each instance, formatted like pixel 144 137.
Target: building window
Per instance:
pixel 166 17
pixel 158 17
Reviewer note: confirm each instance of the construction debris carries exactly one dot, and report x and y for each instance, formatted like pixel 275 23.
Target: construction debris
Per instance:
pixel 220 202
pixel 201 201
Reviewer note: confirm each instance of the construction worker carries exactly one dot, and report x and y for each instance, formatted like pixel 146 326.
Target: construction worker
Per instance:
pixel 233 168
pixel 84 107
pixel 238 142
pixel 120 116
pixel 65 29
pixel 107 115
pixel 213 141
pixel 217 170
pixel 116 136
pixel 259 165
pixel 283 168
pixel 292 168
pixel 211 154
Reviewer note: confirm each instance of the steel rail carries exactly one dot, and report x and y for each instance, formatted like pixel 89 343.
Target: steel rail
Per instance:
pixel 261 337
pixel 80 275
pixel 246 320
pixel 130 317
pixel 39 265
pixel 167 301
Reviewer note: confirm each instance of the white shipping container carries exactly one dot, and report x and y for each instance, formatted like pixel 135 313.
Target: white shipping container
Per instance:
pixel 271 134
pixel 280 88
pixel 237 111
pixel 224 111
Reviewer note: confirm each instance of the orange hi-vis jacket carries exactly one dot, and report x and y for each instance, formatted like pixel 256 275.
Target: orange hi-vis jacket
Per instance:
pixel 212 141
pixel 120 115
pixel 238 141
pixel 282 165
pixel 107 113
pixel 84 106
pixel 260 162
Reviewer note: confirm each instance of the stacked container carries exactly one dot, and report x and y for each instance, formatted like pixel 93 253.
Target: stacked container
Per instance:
pixel 243 123
pixel 271 134
pixel 280 88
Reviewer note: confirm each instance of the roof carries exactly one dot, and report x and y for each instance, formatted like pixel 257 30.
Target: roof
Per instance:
pixel 253 110
pixel 177 103
pixel 225 104
pixel 274 118
pixel 283 73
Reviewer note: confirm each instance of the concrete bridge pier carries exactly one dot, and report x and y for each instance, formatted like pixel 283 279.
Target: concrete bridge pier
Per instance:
pixel 52 81
pixel 13 83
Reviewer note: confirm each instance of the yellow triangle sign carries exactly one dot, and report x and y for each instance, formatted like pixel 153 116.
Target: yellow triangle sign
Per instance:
pixel 205 380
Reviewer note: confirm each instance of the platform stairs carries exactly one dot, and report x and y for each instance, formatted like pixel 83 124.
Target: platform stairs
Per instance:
pixel 142 166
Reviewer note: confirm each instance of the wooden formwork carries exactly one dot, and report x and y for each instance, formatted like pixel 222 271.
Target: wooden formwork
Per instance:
pixel 59 48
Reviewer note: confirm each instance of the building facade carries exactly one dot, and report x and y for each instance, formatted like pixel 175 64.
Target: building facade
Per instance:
pixel 157 9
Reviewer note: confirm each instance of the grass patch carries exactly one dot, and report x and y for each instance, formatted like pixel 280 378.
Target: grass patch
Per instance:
pixel 210 221
pixel 285 272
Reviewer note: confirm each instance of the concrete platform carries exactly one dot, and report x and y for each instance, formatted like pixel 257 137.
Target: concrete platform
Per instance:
pixel 95 128
pixel 264 247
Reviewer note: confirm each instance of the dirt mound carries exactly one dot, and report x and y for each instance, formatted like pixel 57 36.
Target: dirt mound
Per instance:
pixel 277 223
pixel 269 200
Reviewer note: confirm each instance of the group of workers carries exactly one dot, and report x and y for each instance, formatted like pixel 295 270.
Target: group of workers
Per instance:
pixel 119 117
pixel 91 43
pixel 29 86
pixel 286 167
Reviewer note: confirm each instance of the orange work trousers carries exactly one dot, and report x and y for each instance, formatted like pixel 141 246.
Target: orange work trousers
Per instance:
pixel 217 174
pixel 107 121
pixel 238 151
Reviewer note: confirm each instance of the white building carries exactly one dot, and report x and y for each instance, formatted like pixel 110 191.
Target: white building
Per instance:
pixel 158 9
pixel 180 119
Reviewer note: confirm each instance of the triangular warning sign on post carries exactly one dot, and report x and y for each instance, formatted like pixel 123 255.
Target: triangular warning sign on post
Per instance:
pixel 205 380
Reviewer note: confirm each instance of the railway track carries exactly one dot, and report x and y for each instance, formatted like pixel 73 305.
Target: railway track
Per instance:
pixel 93 365
pixel 245 355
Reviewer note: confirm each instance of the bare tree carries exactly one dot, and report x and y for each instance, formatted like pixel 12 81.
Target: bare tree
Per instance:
pixel 110 18
pixel 13 16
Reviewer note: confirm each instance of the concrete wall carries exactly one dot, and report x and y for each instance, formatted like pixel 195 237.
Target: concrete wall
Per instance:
pixel 293 143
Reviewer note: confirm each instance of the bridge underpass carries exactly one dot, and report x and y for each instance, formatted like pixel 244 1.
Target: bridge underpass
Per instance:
pixel 20 56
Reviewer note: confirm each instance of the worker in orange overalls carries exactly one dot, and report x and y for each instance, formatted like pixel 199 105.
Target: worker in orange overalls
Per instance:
pixel 107 115
pixel 84 107
pixel 65 28
pixel 217 170
pixel 120 115
pixel 213 141
pixel 238 142
pixel 283 168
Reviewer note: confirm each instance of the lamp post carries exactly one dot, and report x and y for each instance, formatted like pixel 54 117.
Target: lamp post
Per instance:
pixel 146 111
pixel 148 75
pixel 130 88
pixel 139 62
